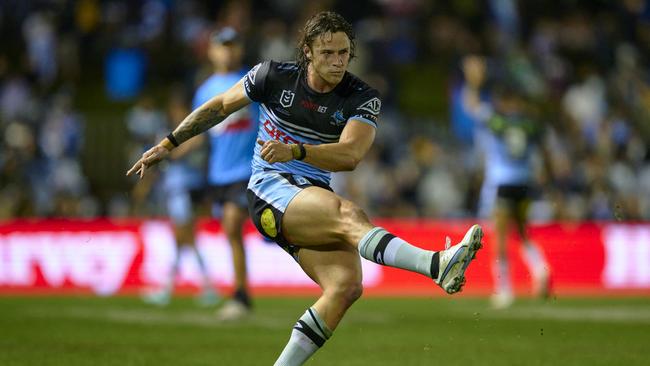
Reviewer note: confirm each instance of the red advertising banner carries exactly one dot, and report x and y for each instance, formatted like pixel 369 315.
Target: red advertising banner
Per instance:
pixel 109 256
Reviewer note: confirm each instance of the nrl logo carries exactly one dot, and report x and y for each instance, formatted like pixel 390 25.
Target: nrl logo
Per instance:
pixel 373 106
pixel 286 99
pixel 337 118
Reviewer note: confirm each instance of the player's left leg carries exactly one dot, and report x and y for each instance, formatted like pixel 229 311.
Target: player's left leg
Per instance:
pixel 337 270
pixel 532 254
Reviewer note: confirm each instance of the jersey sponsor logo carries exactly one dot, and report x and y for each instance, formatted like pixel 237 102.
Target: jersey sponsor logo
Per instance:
pixel 373 106
pixel 278 134
pixel 338 119
pixel 286 99
pixel 313 106
pixel 252 73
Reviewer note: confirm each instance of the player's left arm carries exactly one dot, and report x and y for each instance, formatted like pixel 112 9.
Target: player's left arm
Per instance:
pixel 355 141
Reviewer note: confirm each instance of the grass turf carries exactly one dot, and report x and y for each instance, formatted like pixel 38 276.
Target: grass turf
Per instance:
pixel 376 331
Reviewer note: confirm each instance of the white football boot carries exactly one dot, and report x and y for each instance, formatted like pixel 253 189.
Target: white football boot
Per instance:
pixel 454 260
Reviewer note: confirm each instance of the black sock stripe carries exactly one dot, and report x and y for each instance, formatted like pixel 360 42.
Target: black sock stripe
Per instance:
pixel 313 317
pixel 381 246
pixel 435 265
pixel 310 333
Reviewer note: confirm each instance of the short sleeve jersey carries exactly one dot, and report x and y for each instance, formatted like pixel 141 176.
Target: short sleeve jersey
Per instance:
pixel 291 112
pixel 231 141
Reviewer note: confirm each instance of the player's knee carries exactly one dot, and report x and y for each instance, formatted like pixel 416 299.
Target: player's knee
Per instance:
pixel 347 292
pixel 352 219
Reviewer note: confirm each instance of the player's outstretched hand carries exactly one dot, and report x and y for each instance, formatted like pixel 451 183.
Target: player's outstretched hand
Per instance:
pixel 275 151
pixel 150 158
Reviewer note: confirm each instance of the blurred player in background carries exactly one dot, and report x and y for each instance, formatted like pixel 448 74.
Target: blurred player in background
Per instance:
pixel 509 139
pixel 183 187
pixel 317 118
pixel 229 163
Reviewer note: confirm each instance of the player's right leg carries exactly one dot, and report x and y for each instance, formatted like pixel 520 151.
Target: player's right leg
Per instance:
pixel 337 270
pixel 317 217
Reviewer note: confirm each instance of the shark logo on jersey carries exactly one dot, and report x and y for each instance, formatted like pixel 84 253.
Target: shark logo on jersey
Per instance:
pixel 286 99
pixel 373 106
pixel 337 118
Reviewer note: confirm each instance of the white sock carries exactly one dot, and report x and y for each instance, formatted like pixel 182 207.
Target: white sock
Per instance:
pixel 382 247
pixel 308 335
pixel 502 276
pixel 534 259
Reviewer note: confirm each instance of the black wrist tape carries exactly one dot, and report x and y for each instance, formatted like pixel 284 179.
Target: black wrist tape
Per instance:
pixel 303 151
pixel 172 139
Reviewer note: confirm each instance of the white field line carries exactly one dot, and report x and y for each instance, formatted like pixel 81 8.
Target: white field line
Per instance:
pixel 579 314
pixel 155 317
pixel 197 318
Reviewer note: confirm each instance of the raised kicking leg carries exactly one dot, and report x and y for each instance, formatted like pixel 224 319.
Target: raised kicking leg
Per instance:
pixel 317 217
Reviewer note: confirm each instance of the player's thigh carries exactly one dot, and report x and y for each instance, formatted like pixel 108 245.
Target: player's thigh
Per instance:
pixel 316 217
pixel 336 268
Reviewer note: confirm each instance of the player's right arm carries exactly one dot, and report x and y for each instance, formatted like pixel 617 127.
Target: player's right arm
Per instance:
pixel 200 120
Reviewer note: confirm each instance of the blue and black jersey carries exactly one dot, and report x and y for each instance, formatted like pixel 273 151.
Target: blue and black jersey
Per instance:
pixel 291 112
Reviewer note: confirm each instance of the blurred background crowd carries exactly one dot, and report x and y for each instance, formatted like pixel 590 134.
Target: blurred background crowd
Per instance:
pixel 86 86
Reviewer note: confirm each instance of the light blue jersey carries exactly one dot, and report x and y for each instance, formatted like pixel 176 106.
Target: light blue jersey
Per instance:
pixel 232 141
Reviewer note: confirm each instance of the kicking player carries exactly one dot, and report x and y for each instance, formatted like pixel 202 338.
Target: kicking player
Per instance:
pixel 229 164
pixel 316 118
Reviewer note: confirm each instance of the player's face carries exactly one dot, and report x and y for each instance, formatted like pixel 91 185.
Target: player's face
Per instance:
pixel 329 55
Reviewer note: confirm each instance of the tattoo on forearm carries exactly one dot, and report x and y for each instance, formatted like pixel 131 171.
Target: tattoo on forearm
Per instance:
pixel 197 122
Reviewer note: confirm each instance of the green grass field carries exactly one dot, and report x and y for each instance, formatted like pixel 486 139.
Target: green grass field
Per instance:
pixel 377 331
